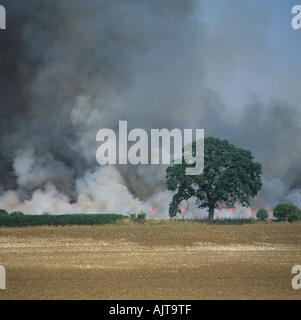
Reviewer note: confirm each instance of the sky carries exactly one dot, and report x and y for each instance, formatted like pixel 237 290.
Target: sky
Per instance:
pixel 70 68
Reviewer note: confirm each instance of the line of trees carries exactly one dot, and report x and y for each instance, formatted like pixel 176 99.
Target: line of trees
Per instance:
pixel 282 212
pixel 19 219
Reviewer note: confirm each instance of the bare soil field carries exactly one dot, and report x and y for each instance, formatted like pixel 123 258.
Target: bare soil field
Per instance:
pixel 142 262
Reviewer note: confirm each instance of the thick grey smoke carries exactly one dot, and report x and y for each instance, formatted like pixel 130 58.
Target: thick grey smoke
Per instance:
pixel 70 68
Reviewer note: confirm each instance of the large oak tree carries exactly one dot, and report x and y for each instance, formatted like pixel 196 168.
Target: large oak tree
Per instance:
pixel 230 176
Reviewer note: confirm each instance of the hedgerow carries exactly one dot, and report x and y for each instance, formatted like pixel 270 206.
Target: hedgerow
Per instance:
pixel 14 220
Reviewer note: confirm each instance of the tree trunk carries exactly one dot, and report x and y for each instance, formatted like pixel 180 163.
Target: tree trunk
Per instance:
pixel 211 214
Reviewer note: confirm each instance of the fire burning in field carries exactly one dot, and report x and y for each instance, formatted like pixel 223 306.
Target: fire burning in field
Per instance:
pixel 48 128
pixel 251 211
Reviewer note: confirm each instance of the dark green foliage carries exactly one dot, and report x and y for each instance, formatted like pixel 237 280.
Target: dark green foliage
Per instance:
pixel 140 217
pixel 58 220
pixel 222 221
pixel 3 213
pixel 262 214
pixel 287 212
pixel 236 221
pixel 230 175
pixel 17 214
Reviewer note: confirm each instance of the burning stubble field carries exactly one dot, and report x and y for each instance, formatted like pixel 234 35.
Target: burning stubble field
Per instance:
pixel 188 261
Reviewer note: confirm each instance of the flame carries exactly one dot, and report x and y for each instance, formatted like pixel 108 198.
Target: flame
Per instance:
pixel 182 210
pixel 151 209
pixel 251 211
pixel 228 209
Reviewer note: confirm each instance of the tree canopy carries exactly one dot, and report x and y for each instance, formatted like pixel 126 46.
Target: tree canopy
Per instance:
pixel 230 175
pixel 285 211
pixel 262 214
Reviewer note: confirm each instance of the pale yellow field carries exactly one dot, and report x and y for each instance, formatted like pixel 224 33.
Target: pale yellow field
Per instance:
pixel 189 261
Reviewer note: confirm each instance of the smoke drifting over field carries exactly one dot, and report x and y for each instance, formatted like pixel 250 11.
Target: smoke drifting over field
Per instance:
pixel 71 68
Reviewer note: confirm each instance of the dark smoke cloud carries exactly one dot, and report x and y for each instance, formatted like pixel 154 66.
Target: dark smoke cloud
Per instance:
pixel 70 68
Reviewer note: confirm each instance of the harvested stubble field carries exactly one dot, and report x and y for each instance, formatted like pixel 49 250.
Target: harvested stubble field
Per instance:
pixel 189 261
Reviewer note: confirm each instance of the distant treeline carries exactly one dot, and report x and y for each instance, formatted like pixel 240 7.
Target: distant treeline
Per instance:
pixel 17 219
